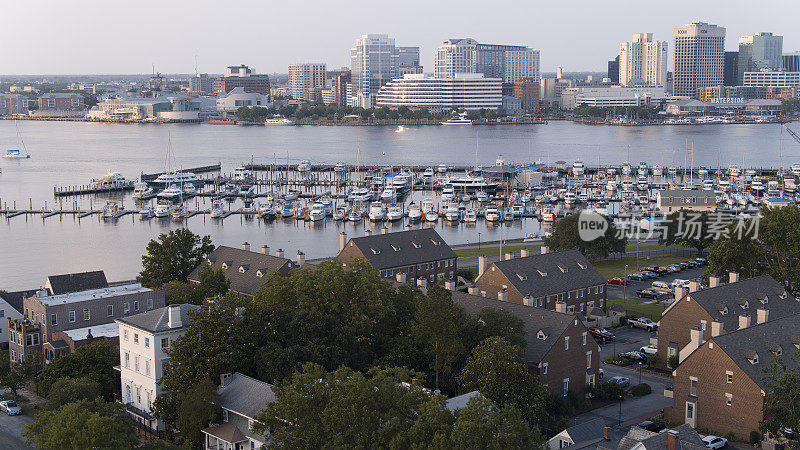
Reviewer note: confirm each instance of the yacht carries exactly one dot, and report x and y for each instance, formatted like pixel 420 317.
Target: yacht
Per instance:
pixel 428 176
pixel 492 214
pixel 376 212
pixel 339 169
pixel 389 194
pixel 708 184
pixel 317 212
pixel 14 153
pixel 448 193
pixel 291 195
pixel 427 205
pixel 469 183
pixel 304 167
pixel 394 213
pixel 163 208
pixel 570 198
pixel 171 193
pixel 452 213
pixel 179 213
pixel 482 197
pixel 517 211
pixel 642 184
pixel 578 168
pixel 175 177
pixel 112 180
pixel 461 119
pixel 757 186
pixel 789 186
pixel 277 121
pixel 734 171
pixel 548 215
pixel 642 169
pixel 217 209
pixel 796 169
pixel 339 213
pixel 442 168
pixel 657 171
pixel 611 185
pixel 141 191
pixel 773 188
pixel 288 210
pixel 243 174
pixel 611 172
pixel 414 213
pixel 361 195
pixel 470 216
pixel 112 210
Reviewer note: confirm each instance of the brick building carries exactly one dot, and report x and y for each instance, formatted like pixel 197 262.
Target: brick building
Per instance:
pixel 62 102
pixel 527 90
pixel 420 253
pixel 720 385
pixel 245 269
pixel 340 91
pixel 543 280
pixel 722 308
pixel 558 347
pixel 241 76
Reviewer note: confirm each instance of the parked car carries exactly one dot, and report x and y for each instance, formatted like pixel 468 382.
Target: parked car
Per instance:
pixel 649 274
pixel 661 286
pixel 651 426
pixel 684 265
pixel 715 442
pixel 692 263
pixel 701 261
pixel 675 268
pixel 622 381
pixel 651 349
pixel 637 276
pixel 634 356
pixel 643 322
pixel 10 407
pixel 618 280
pixel 601 334
pixel 648 293
pixel 680 282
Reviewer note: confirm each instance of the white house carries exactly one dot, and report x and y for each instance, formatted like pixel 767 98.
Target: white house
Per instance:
pixel 143 340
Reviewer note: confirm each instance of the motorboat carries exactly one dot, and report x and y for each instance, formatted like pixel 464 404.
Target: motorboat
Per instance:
pixel 470 216
pixel 177 178
pixel 672 171
pixel 248 209
pixel 377 212
pixel 482 197
pixel 112 210
pixel 734 170
pixel 163 208
pixel 389 194
pixel 231 189
pixel 14 153
pixel 361 195
pixel 217 209
pixel 141 191
pixel 304 167
pixel 643 170
pixel 442 169
pixel 657 171
pixel 277 121
pixel 708 184
pixel 757 186
pixel 611 185
pixel 448 193
pixel 110 181
pixel 288 210
pixel 517 211
pixel 414 213
pixel 355 215
pixel 179 213
pixel 461 119
pixel 317 212
pixel 578 168
pixel 469 183
pixel 431 216
pixel 339 169
pixel 789 186
pixel 339 214
pixel 452 213
pixel 266 211
pixel 291 195
pixel 548 215
pixel 570 198
pixel 642 183
pixel 611 172
pixel 492 214
pixel 394 213
pixel 146 212
pixel 796 169
pixel 526 196
pixel 171 193
pixel 428 177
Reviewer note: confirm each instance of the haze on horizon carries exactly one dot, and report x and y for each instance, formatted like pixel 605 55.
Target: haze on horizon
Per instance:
pixel 124 37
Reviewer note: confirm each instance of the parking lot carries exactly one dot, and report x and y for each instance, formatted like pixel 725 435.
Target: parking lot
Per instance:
pixel 625 340
pixel 616 292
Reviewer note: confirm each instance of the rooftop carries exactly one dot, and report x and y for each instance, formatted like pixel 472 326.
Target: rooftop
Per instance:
pixel 246 269
pixel 157 320
pixel 108 330
pixel 92 294
pixel 403 248
pixel 244 395
pixel 75 282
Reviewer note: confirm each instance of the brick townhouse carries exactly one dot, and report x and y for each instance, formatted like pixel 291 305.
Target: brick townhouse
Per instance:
pixel 418 254
pixel 247 270
pixel 720 385
pixel 558 347
pixel 702 314
pixel 62 102
pixel 544 279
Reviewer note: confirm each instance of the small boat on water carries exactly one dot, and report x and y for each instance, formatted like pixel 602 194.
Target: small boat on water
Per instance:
pixel 394 213
pixel 112 210
pixel 376 212
pixel 452 214
pixel 217 209
pixel 414 213
pixel 548 215
pixel 317 212
pixel 112 180
pixel 470 216
pixel 266 211
pixel 14 153
pixel 277 121
pixel 304 167
pixel 288 210
pixel 163 209
pixel 179 213
pixel 460 119
pixel 492 214
pixel 172 193
pixel 339 214
pixel 141 191
pixel 146 212
pixel 355 215
pixel 431 216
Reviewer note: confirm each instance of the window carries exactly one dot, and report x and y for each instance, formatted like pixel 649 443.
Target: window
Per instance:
pixel 566 342
pixel 566 386
pixel 110 310
pixel 71 316
pixel 136 363
pixel 125 334
pixel 126 307
pixel 135 338
pixel 690 410
pixel 147 367
pixel 671 352
pixel 601 288
pixel 693 387
pixel 165 342
pixel 728 400
pixel 86 315
pixel 149 303
pixel 29 340
pixel 544 368
pixel 147 342
pixel 729 377
pixel 136 305
pixel 224 415
pixel 127 360
pixel 2 312
pixel 584 338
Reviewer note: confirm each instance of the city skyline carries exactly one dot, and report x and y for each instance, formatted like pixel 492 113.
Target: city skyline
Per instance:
pixel 171 35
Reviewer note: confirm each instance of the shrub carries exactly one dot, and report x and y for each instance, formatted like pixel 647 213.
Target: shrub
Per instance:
pixel 673 361
pixel 467 274
pixel 607 391
pixel 641 389
pixel 652 360
pixel 755 437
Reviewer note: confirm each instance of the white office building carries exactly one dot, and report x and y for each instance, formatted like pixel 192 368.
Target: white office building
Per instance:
pixel 237 97
pixel 699 58
pixel 463 91
pixel 143 342
pixel 374 61
pixel 455 56
pixel 520 64
pixel 771 78
pixel 642 61
pixel 613 96
pixel 305 76
pixel 761 51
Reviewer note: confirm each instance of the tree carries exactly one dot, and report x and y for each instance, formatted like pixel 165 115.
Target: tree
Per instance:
pixel 95 361
pixel 436 324
pixel 782 399
pixel 197 411
pixel 484 425
pixel 21 373
pixel 173 257
pixel 178 292
pixel 690 229
pixel 566 236
pixel 501 323
pixel 80 425
pixel 498 371
pixel 69 390
pixel 213 282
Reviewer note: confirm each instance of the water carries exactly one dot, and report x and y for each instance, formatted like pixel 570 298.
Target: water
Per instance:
pixel 72 153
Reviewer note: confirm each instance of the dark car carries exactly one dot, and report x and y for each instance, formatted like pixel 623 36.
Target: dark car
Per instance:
pixel 601 334
pixel 701 261
pixel 622 381
pixel 651 426
pixel 648 293
pixel 693 263
pixel 649 274
pixel 684 265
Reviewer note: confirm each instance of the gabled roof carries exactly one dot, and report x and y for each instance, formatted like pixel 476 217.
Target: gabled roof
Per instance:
pixel 76 282
pixel 157 320
pixel 586 432
pixel 403 248
pixel 535 319
pixel 14 299
pixel 687 438
pixel 460 401
pixel 731 298
pixel 242 267
pixel 550 273
pixel 227 432
pixel 762 340
pixel 244 395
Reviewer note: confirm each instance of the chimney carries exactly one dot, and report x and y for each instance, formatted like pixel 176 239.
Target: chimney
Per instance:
pixel 472 290
pixel 174 316
pixel 523 253
pixel 545 249
pixel 265 249
pixel 694 286
pixel 246 246
pixel 607 434
pixel 301 258
pixel 762 315
pixel 401 277
pixel 450 285
pixel 384 230
pixel 481 265
pixel 561 307
pixel 279 253
pixel 679 293
pixel 744 321
pixel 714 281
pixel 509 255
pixel 717 328
pixel 342 240
pixel 696 337
pixel 367 232
pixel 502 295
pixel 672 440
pixel 733 277
pixel 224 379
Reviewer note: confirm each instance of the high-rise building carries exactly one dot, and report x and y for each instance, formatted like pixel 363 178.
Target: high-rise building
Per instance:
pixel 791 62
pixel 520 64
pixel 527 90
pixel 373 63
pixel 699 57
pixel 341 90
pixel 304 77
pixel 730 71
pixel 761 51
pixel 201 83
pixel 613 70
pixel 455 56
pixel 408 60
pixel 643 62
pixel 241 76
pixel 490 59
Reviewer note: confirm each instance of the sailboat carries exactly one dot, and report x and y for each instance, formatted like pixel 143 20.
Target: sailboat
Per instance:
pixel 15 153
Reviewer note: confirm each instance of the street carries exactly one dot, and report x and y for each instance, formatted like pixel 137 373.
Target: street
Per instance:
pixel 11 428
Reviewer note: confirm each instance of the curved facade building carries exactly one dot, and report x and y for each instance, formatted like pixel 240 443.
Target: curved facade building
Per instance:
pixel 464 91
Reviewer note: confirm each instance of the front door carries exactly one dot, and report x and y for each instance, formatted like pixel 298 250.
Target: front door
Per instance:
pixel 691 414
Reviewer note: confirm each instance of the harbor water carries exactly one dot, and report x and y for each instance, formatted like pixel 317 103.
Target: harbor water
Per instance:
pixel 73 153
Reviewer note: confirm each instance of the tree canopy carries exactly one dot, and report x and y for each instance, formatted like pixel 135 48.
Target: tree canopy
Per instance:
pixel 80 425
pixel 690 229
pixel 94 361
pixel 782 399
pixel 566 236
pixel 173 257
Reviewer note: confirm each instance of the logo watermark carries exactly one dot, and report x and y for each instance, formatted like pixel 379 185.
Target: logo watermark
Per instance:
pixel 591 225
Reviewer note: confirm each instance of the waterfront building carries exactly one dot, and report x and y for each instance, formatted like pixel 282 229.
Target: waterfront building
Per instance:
pixel 725 105
pixel 13 104
pixel 241 76
pixel 509 62
pixel 464 91
pixel 771 78
pixel 512 105
pixel 761 51
pixel 62 101
pixel 408 60
pixel 747 92
pixel 791 62
pixel 373 63
pixel 730 76
pixel 328 96
pixel 10 309
pixel 613 70
pixel 342 88
pixel 305 76
pixel 696 200
pixel 527 90
pixel 169 109
pixel 238 97
pixel 455 56
pixel 520 64
pixel 613 96
pixel 642 61
pixel 699 57
pixel 201 83
pixel 143 342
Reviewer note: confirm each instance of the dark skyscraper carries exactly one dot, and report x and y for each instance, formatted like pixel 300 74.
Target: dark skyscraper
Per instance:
pixel 730 75
pixel 613 70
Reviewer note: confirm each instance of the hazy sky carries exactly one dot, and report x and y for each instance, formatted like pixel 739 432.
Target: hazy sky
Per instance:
pixel 123 37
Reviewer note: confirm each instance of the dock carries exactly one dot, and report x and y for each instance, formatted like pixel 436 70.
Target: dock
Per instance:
pixel 202 169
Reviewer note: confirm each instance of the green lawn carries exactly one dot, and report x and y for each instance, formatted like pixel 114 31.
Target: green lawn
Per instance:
pixel 640 309
pixel 616 267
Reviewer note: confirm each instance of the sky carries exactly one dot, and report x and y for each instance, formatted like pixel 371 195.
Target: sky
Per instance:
pixel 128 37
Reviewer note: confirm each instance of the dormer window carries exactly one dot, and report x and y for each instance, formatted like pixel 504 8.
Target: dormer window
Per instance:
pixel 522 276
pixel 542 273
pixel 582 266
pixel 753 358
pixel 745 305
pixel 243 268
pixel 541 336
pixel 395 248
pixel 210 262
pixel 562 269
pixel 724 311
pixel 227 264
pixel 434 242
pixel 260 274
pixel 375 252
pixel 784 295
pixel 416 245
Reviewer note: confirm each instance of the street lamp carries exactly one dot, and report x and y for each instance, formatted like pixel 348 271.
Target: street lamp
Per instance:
pixel 479 240
pixel 625 284
pixel 641 363
pixel 619 416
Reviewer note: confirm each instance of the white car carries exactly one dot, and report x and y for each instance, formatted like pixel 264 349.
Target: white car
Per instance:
pixel 679 282
pixel 715 442
pixel 10 407
pixel 649 349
